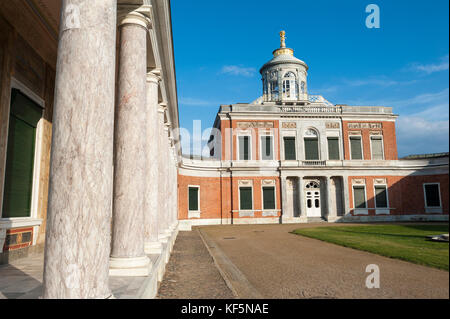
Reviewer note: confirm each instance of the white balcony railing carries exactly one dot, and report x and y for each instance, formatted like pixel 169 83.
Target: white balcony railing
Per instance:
pixel 311 109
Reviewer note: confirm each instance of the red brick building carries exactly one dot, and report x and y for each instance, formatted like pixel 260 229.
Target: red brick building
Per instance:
pixel 294 157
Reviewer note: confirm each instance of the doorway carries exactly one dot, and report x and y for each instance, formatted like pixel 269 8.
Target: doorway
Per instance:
pixel 313 203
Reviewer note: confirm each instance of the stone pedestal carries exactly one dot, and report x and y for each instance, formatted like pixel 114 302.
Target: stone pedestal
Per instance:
pixel 81 174
pixel 131 163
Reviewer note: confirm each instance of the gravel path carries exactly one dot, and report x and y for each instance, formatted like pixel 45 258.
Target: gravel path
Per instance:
pixel 191 272
pixel 278 264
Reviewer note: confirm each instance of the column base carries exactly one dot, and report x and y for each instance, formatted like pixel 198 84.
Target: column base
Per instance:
pixel 332 219
pixel 129 267
pixel 153 248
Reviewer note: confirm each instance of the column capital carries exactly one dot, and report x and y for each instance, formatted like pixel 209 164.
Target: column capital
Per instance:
pixel 153 78
pixel 162 107
pixel 135 17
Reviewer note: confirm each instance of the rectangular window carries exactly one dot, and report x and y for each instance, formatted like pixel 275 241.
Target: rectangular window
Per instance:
pixel 381 200
pixel 266 148
pixel 244 148
pixel 194 193
pixel 359 194
pixel 333 148
pixel 289 148
pixel 377 147
pixel 432 195
pixel 245 198
pixel 268 197
pixel 24 117
pixel 311 149
pixel 356 148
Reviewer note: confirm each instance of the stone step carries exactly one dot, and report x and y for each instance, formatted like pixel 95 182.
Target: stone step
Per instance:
pixel 316 220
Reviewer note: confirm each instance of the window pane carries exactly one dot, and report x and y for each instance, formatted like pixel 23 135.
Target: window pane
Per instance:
pixel 355 145
pixel 432 195
pixel 25 114
pixel 311 149
pixel 333 148
pixel 381 197
pixel 244 148
pixel 268 197
pixel 360 197
pixel 289 149
pixel 245 198
pixel 377 148
pixel 193 198
pixel 266 148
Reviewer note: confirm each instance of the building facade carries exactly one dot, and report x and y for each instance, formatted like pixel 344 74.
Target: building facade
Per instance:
pixel 293 157
pixel 88 157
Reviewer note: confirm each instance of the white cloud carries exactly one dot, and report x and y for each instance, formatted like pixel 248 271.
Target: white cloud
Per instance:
pixel 432 68
pixel 238 70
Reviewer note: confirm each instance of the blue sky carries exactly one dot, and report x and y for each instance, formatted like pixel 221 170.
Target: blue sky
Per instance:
pixel 220 46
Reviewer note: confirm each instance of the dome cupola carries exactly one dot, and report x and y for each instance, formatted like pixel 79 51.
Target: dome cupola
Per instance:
pixel 284 77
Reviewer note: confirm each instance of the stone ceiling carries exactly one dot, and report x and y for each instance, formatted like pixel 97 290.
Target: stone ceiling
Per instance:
pixel 48 11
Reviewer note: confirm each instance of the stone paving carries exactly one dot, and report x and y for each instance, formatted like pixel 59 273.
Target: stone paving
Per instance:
pixel 277 264
pixel 22 279
pixel 191 272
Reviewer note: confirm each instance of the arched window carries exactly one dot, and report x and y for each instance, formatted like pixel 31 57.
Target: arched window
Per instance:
pixel 311 140
pixel 289 90
pixel 273 84
pixel 303 87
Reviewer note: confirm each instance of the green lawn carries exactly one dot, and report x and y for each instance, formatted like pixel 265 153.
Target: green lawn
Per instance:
pixel 406 242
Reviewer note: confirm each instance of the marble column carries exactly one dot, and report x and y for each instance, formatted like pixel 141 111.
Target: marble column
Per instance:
pixel 332 214
pixel 300 195
pixel 346 196
pixel 162 176
pixel 127 256
pixel 81 174
pixel 152 245
pixel 284 202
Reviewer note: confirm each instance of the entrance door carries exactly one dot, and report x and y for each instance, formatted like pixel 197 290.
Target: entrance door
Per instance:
pixel 312 193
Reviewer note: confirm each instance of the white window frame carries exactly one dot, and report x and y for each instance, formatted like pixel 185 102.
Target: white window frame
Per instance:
pixel 260 147
pixel 360 211
pixel 382 147
pixel 250 146
pixel 361 145
pixel 262 198
pixel 319 148
pixel 339 147
pixel 289 133
pixel 239 198
pixel 194 213
pixel 381 210
pixel 432 209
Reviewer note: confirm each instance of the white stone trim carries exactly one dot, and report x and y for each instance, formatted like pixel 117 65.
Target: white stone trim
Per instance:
pixel 194 213
pixel 238 149
pixel 271 184
pixel 361 145
pixel 381 210
pixel 239 197
pixel 359 211
pixel 272 137
pixel 382 146
pixel 432 209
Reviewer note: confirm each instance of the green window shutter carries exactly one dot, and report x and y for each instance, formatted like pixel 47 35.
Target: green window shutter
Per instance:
pixel 244 148
pixel 245 195
pixel 360 197
pixel 269 197
pixel 432 195
pixel 311 149
pixel 18 186
pixel 333 148
pixel 377 148
pixel 266 148
pixel 193 199
pixel 381 197
pixel 289 148
pixel 355 145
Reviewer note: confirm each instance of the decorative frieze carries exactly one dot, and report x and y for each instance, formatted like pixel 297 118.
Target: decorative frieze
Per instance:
pixel 246 125
pixel 245 183
pixel 365 125
pixel 330 125
pixel 359 181
pixel 380 181
pixel 268 182
pixel 376 133
pixel 358 133
pixel 289 125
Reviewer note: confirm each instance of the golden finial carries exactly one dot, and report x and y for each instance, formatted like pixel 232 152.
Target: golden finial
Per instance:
pixel 283 39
